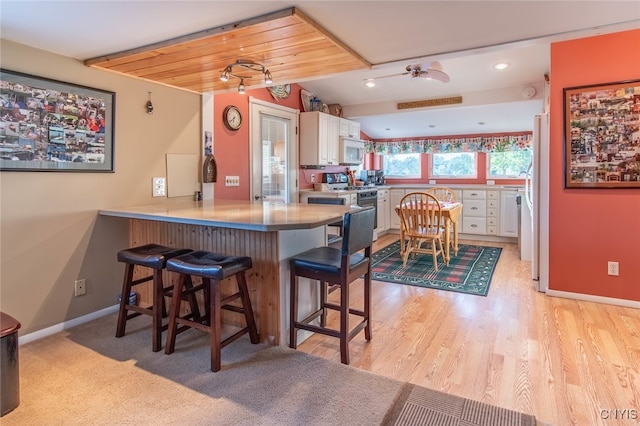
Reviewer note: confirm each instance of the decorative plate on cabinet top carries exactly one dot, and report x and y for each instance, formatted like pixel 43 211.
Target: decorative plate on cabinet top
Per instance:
pixel 280 92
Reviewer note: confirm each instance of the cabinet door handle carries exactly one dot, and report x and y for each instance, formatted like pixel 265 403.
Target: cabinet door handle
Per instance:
pixel 473 225
pixel 474 208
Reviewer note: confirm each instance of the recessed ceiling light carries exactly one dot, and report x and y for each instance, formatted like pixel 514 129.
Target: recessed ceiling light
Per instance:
pixel 388 129
pixel 482 123
pixel 501 65
pixel 432 125
pixel 370 82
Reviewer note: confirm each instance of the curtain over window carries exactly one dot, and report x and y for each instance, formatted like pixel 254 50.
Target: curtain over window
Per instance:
pixel 518 142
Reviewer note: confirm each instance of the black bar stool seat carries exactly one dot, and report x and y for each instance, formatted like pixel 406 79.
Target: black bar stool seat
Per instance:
pixel 212 269
pixel 154 257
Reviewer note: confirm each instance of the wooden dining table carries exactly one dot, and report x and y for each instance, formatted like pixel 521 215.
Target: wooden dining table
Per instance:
pixel 451 212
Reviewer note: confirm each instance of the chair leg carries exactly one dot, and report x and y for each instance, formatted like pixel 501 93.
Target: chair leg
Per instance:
pixel 324 291
pixel 293 310
pixel 434 254
pixel 156 309
pixel 175 312
pixel 215 320
pixel 344 323
pixel 126 289
pixel 246 305
pixel 367 304
pixel 192 299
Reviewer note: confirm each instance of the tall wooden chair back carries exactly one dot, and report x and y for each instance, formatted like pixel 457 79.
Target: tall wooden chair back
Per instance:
pixel 421 224
pixel 442 193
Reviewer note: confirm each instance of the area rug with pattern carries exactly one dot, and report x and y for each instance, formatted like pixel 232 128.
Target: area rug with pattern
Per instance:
pixel 470 271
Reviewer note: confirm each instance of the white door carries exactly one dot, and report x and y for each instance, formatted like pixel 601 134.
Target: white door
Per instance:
pixel 274 152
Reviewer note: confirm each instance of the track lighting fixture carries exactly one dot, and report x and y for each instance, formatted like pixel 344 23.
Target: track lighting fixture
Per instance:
pixel 228 72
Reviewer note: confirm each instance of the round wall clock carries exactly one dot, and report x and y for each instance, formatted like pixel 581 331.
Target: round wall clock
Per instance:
pixel 232 118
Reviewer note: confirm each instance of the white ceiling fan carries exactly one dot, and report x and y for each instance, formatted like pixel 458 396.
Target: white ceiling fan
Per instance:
pixel 428 71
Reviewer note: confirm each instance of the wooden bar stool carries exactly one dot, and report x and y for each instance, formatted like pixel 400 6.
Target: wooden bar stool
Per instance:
pixel 152 256
pixel 212 268
pixel 337 267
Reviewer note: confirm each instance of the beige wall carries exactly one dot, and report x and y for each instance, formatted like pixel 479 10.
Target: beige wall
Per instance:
pixel 50 233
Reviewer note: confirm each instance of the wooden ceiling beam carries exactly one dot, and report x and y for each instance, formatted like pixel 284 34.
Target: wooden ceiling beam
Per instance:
pixel 290 44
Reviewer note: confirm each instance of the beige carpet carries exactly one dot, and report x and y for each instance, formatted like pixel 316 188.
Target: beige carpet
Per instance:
pixel 86 376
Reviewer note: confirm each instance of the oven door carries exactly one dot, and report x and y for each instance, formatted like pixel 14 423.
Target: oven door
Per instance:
pixel 369 200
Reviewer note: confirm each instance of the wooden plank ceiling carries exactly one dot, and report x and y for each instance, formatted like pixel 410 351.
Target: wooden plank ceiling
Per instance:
pixel 291 45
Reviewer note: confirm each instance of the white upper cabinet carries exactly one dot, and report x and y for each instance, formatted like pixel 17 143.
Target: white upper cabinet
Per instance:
pixel 318 138
pixel 349 129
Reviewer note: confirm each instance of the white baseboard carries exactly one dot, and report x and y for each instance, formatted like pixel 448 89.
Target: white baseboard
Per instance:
pixel 597 299
pixel 66 325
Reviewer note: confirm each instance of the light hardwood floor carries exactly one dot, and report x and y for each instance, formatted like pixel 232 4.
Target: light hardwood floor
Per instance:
pixel 568 362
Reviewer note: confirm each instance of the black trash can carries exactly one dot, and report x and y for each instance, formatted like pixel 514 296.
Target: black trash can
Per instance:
pixel 9 366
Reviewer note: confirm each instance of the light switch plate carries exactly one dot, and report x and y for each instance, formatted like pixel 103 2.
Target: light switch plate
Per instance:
pixel 159 187
pixel 232 181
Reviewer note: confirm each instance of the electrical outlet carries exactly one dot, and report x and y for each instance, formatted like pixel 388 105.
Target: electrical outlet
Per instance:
pixel 612 267
pixel 159 185
pixel 313 177
pixel 232 181
pixel 80 287
pixel 432 182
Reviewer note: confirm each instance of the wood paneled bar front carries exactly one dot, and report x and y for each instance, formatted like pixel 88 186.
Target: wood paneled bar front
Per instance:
pixel 270 233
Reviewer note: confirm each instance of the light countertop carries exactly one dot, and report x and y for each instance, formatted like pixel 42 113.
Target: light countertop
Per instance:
pixel 236 214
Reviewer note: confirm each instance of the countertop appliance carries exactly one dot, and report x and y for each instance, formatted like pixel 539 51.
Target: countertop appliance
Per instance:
pixel 537 200
pixel 372 177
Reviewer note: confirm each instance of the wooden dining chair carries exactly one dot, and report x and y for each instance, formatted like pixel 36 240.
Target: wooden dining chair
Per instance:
pixel 443 193
pixel 448 195
pixel 421 223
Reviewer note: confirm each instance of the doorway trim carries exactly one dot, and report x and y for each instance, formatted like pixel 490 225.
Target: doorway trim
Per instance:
pixel 258 106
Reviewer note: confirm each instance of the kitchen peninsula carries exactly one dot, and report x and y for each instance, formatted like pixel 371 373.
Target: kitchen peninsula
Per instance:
pixel 270 233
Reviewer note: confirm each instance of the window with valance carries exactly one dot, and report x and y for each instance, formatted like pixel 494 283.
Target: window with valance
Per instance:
pixel 519 142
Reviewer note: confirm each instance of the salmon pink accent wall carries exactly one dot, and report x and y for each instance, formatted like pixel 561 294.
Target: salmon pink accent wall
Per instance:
pixel 588 227
pixel 231 149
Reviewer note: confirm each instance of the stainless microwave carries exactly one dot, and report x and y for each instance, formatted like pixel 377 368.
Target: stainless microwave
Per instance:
pixel 351 151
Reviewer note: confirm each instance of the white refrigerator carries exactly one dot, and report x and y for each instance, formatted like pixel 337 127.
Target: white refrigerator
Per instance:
pixel 537 199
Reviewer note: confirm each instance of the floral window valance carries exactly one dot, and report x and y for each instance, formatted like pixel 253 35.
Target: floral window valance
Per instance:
pixel 501 143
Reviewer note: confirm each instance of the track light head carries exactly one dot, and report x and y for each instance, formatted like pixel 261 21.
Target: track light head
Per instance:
pixel 241 86
pixel 267 77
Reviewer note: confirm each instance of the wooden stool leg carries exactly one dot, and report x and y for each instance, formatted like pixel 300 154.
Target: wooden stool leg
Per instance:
pixel 246 307
pixel 126 289
pixel 324 291
pixel 158 298
pixel 344 323
pixel 175 312
pixel 367 304
pixel 216 319
pixel 293 311
pixel 192 299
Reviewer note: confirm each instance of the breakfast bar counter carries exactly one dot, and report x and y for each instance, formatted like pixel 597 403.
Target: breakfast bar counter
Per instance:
pixel 270 233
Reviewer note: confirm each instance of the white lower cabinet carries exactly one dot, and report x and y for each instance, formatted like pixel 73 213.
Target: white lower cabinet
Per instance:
pixel 383 211
pixel 474 212
pixel 486 211
pixel 395 195
pixel 508 213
